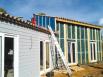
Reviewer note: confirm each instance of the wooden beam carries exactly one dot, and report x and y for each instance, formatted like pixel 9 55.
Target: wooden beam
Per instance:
pixel 78 23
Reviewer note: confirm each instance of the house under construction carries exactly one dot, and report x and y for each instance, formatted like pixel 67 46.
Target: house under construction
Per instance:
pixel 81 42
pixel 28 50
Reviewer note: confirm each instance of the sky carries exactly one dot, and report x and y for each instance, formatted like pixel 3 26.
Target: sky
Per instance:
pixel 90 11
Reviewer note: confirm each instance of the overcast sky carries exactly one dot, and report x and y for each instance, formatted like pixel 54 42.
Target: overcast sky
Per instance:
pixel 83 10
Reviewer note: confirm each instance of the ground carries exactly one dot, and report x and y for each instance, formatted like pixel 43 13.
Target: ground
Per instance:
pixel 90 70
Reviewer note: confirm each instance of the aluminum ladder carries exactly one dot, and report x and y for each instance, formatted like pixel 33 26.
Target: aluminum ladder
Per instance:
pixel 59 50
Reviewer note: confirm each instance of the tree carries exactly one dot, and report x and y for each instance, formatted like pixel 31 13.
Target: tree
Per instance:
pixel 2 10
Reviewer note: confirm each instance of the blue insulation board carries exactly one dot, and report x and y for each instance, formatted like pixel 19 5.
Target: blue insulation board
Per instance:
pixel 44 21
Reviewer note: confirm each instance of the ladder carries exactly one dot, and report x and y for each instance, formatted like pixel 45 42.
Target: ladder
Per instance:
pixel 59 50
pixel 52 52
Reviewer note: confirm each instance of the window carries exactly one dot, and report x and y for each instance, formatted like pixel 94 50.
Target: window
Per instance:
pixel 85 33
pixel 69 31
pixel 41 55
pixel 8 61
pixel 69 53
pixel 78 32
pixel 73 32
pixel 62 44
pixel 73 50
pixel 82 32
pixel 61 30
pixel 9 56
pixel 45 55
pixel 91 34
pixel 57 27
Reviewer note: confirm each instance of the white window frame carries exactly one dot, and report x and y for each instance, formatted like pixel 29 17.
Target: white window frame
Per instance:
pixel 2 56
pixel 45 54
pixel 45 70
pixel 93 52
pixel 16 53
pixel 72 63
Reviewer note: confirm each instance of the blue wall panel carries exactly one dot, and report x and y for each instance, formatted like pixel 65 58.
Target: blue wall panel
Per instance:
pixel 40 20
pixel 44 21
pixel 47 22
pixel 36 20
pixel 52 22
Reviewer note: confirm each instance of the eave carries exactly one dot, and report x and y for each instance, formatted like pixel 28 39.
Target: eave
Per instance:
pixel 78 23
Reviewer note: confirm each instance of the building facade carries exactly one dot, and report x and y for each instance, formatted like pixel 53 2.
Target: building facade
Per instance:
pixel 81 42
pixel 24 48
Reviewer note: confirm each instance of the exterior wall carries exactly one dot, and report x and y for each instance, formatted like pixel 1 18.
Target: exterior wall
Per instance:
pixel 29 48
pixel 82 36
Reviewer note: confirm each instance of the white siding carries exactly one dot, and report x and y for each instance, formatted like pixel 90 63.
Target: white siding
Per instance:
pixel 0 56
pixel 29 48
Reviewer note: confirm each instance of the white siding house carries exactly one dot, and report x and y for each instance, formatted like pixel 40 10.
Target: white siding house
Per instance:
pixel 26 46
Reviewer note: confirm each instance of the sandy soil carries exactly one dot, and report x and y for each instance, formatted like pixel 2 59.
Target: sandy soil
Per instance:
pixel 91 70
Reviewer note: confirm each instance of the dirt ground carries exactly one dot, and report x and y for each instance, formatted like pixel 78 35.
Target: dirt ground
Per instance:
pixel 90 70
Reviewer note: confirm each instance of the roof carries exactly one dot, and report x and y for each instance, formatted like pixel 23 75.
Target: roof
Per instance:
pixel 21 22
pixel 65 20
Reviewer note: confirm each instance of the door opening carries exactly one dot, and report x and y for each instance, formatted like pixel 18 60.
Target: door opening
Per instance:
pixel 41 55
pixel 9 57
pixel 93 51
pixel 71 52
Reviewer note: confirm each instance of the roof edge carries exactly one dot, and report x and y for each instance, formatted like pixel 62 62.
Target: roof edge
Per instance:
pixel 60 19
pixel 20 22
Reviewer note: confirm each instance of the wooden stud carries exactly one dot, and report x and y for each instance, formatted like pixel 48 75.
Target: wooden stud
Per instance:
pixel 65 42
pixel 76 45
pixel 88 37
